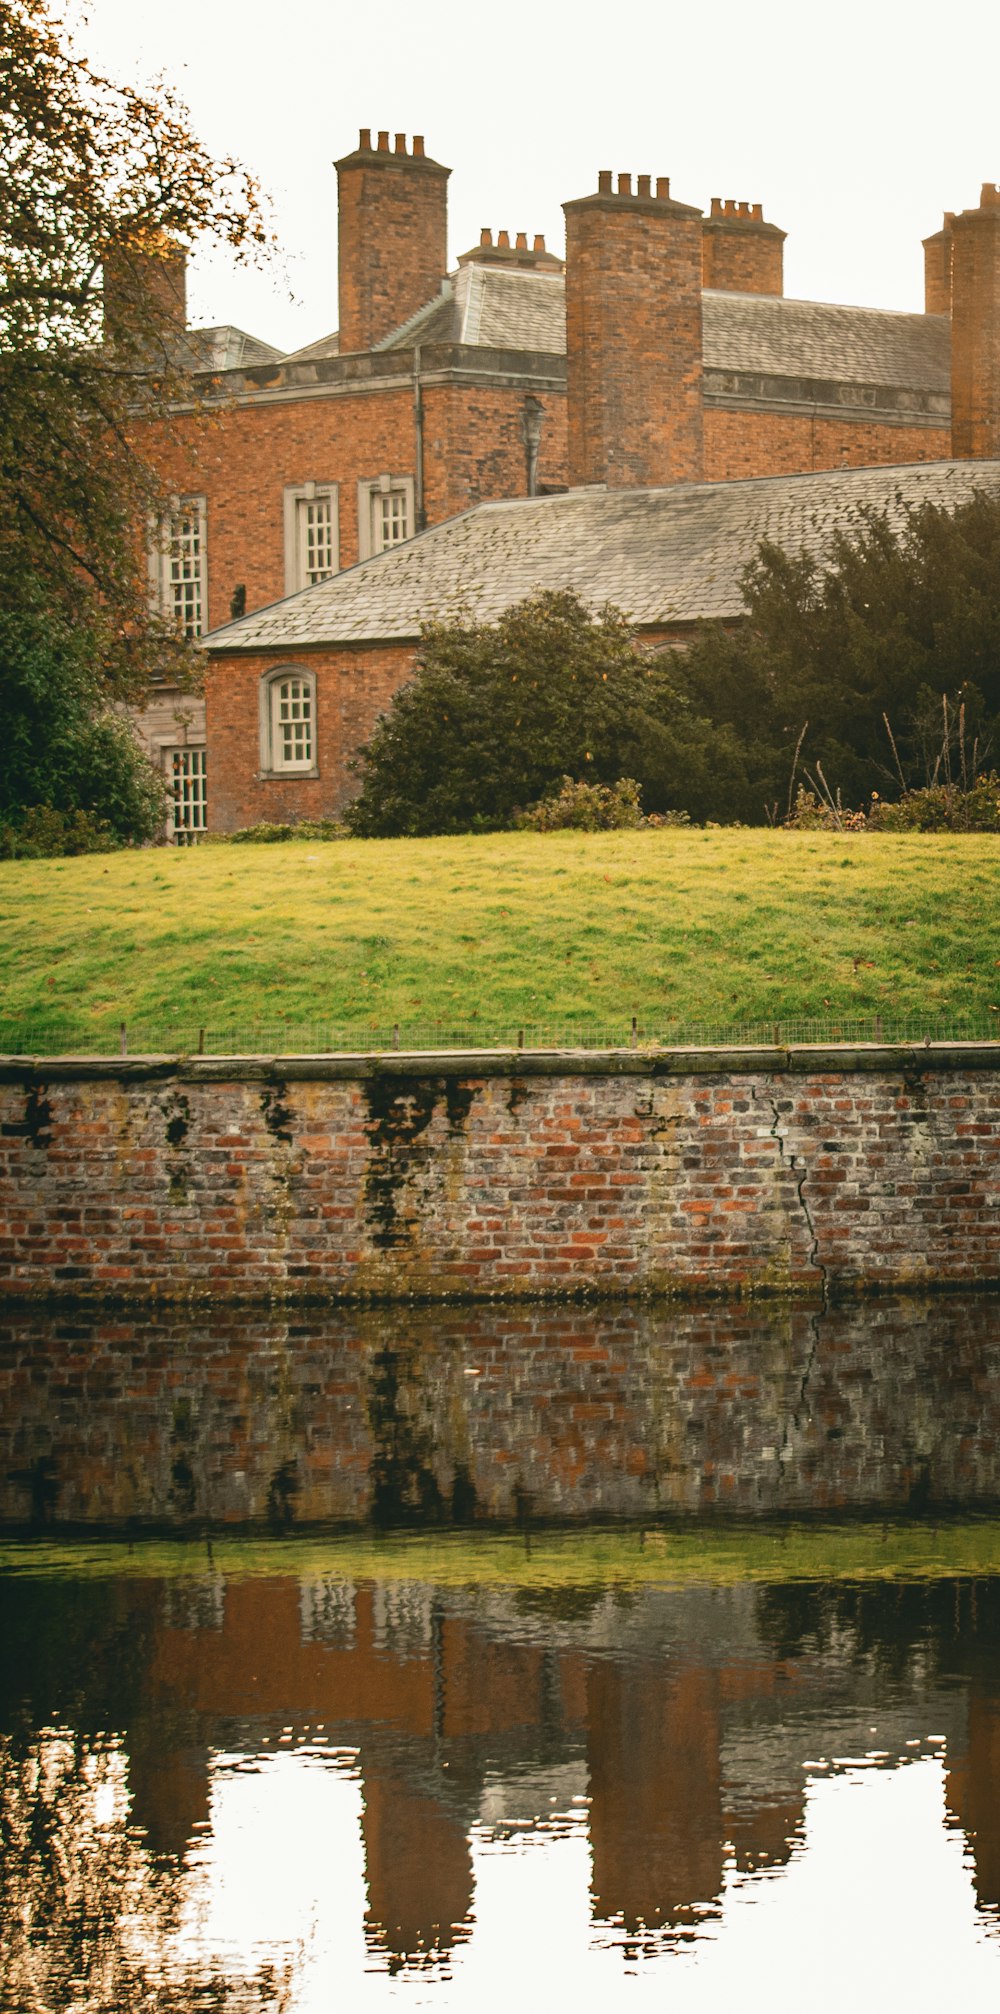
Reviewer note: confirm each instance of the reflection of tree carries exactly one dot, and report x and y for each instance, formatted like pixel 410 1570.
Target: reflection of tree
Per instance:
pixel 90 1920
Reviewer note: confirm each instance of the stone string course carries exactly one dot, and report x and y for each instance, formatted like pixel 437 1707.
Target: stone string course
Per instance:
pixel 489 1174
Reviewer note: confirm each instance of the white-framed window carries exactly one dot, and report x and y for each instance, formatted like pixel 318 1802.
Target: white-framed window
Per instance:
pixel 187 794
pixel 288 722
pixel 178 565
pixel 312 534
pixel 385 513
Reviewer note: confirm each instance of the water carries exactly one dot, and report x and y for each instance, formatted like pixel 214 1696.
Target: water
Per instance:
pixel 489 1659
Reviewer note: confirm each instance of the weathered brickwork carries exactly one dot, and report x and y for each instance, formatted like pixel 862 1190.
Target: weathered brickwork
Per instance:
pixel 393 237
pixel 353 687
pixel 975 327
pixel 488 1413
pixel 741 252
pixel 742 442
pixel 501 1177
pixel 633 336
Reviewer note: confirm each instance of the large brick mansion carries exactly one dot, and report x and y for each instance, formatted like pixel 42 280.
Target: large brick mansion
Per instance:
pixel 662 352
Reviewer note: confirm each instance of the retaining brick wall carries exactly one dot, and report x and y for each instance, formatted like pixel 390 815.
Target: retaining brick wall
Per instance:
pixel 501 1174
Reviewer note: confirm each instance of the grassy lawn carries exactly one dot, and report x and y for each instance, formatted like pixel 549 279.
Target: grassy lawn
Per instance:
pixel 554 933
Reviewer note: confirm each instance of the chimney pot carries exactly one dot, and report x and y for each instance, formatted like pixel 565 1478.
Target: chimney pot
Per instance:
pixel 365 140
pixel 418 146
pixel 485 236
pixel 642 185
pixel 604 182
pixel 663 187
pixel 400 143
pixel 624 185
pixel 383 143
pixel 538 245
pixel 521 241
pixel 503 241
pixel 716 207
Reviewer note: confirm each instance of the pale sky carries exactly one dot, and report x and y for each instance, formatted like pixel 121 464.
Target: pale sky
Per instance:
pixel 856 125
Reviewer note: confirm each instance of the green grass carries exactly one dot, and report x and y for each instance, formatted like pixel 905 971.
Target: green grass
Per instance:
pixel 715 1554
pixel 559 932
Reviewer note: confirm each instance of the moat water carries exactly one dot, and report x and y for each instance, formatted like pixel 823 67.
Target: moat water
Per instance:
pixel 469 1659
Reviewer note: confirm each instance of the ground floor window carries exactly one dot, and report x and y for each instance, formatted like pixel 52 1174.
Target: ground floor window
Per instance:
pixel 187 794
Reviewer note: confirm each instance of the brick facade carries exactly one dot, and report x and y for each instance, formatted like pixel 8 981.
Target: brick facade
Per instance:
pixel 423 393
pixel 501 1176
pixel 354 685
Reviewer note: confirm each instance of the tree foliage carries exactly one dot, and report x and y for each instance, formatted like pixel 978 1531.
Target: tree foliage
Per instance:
pixel 891 620
pixel 496 716
pixel 99 180
pixel 72 772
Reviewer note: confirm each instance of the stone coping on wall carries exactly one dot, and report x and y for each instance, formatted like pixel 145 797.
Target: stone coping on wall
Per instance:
pixel 795 1059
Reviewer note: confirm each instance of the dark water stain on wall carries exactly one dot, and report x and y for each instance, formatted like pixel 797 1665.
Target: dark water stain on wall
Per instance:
pixel 400 1111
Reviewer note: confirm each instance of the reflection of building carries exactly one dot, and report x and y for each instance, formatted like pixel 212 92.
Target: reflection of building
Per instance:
pixel 683 1735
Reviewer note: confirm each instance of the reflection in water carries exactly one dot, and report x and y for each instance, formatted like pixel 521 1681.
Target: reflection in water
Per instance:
pixel 516 1770
pixel 452 1416
pixel 286 1790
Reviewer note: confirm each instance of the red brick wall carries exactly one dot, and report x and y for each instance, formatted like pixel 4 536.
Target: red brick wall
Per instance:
pixel 353 687
pixel 392 238
pixel 487 1177
pixel 633 332
pixel 769 444
pixel 474 449
pixel 975 328
pixel 741 254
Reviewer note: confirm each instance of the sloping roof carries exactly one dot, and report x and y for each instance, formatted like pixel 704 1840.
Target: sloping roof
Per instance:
pixel 816 339
pixel 666 556
pixel 491 308
pixel 227 349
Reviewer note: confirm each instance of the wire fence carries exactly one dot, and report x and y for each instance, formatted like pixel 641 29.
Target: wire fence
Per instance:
pixel 175 1037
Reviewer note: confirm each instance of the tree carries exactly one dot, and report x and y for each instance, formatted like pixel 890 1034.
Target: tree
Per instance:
pixel 101 185
pixel 894 617
pixel 495 716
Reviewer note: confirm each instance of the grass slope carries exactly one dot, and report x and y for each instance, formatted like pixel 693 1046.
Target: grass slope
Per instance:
pixel 555 932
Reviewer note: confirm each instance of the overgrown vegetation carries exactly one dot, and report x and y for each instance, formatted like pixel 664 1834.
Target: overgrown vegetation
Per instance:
pixel 100 182
pixel 559 931
pixel 877 667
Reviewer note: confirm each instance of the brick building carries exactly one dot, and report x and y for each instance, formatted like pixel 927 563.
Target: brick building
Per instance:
pixel 662 352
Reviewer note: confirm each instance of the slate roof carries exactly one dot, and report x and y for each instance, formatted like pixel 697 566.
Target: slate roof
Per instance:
pixel 816 339
pixel 499 308
pixel 666 556
pixel 226 349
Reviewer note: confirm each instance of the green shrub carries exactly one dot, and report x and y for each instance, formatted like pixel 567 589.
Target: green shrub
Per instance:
pixel 943 807
pixel 586 807
pixel 266 834
pixel 40 833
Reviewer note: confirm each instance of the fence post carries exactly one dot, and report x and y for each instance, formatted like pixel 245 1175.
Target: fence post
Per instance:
pixel 634 1037
pixel 123 1038
pixel 395 1035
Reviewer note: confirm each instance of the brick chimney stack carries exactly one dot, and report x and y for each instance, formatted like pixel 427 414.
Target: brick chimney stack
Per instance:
pixel 633 335
pixel 975 329
pixel 393 236
pixel 741 253
pixel 937 269
pixel 145 291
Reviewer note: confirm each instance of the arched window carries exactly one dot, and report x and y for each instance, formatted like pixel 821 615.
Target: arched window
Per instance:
pixel 288 722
